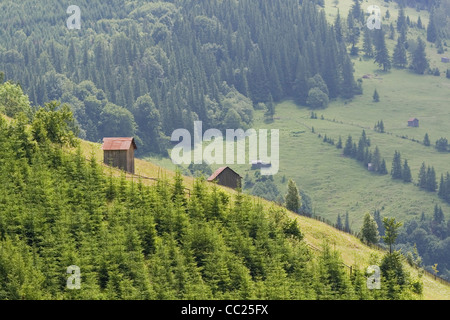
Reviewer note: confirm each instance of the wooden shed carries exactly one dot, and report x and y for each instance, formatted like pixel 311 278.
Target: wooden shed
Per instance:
pixel 413 122
pixel 227 177
pixel 119 153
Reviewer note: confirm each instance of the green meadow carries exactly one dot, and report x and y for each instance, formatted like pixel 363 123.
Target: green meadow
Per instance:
pixel 337 184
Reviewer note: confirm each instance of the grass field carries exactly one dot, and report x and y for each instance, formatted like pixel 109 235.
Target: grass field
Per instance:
pixel 337 184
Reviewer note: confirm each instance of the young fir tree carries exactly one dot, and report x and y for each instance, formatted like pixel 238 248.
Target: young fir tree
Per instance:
pixel 406 173
pixel 293 201
pixel 369 230
pixel 419 62
pixel 396 171
pixel 376 96
pixel 391 228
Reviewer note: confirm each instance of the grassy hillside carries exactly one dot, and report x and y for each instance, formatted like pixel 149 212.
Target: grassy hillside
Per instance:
pixel 352 250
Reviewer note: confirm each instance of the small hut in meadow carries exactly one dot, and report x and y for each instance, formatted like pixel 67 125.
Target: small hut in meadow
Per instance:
pixel 413 122
pixel 227 177
pixel 119 153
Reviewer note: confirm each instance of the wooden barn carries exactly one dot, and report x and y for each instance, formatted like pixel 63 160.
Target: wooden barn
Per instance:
pixel 119 153
pixel 227 177
pixel 413 122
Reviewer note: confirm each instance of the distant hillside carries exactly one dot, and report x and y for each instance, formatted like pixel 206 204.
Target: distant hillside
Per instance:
pixel 144 69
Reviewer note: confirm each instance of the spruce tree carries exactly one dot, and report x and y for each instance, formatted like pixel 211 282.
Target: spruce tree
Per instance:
pixel 399 59
pixel 367 44
pixel 376 159
pixel 381 51
pixel 406 173
pixel 422 181
pixel 431 180
pixel 396 171
pixel 369 230
pixel 426 140
pixel 376 96
pixel 438 216
pixel 339 222
pixel 383 167
pixel 391 228
pixel 442 188
pixel 432 32
pixel 419 62
pixel 347 223
pixel 348 147
pixel 293 201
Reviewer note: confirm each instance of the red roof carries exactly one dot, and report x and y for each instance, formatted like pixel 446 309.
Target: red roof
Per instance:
pixel 412 119
pixel 118 143
pixel 218 172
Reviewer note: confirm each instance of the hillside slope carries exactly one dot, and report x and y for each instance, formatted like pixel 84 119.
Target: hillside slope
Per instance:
pixel 315 232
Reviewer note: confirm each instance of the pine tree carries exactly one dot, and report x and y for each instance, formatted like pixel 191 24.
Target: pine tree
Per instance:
pixel 422 181
pixel 376 159
pixel 431 180
pixel 432 32
pixel 348 147
pixel 399 58
pixel 339 144
pixel 376 96
pixel 419 62
pixel 419 23
pixel 348 81
pixel 426 140
pixel 338 28
pixel 438 216
pixel 442 188
pixel 369 230
pixel 396 171
pixel 383 167
pixel 391 232
pixel 406 173
pixel 367 44
pixel 339 222
pixel 381 51
pixel 293 201
pixel 347 223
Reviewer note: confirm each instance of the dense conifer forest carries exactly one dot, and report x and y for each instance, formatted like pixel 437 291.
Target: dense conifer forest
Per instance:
pixel 140 68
